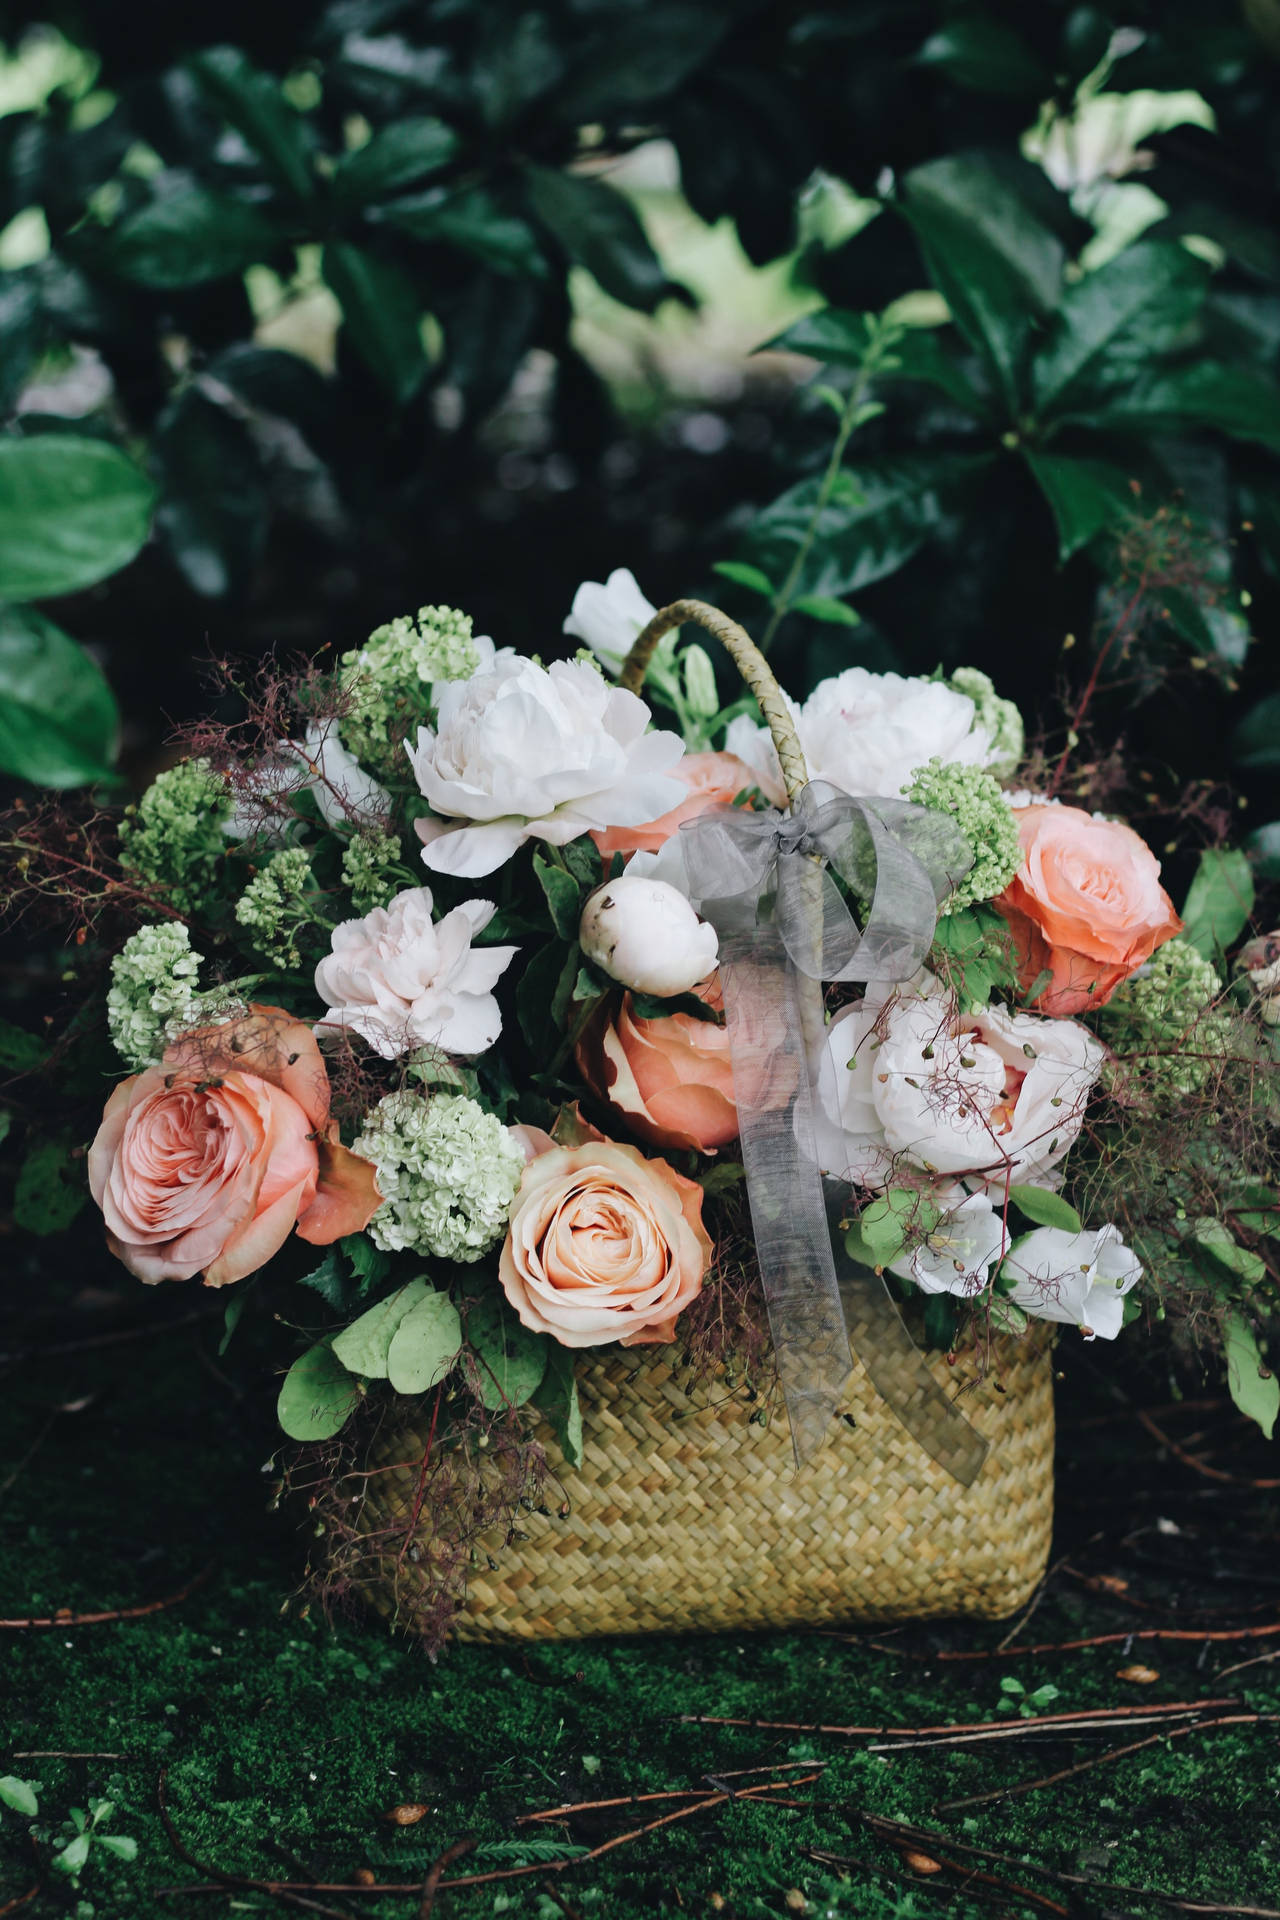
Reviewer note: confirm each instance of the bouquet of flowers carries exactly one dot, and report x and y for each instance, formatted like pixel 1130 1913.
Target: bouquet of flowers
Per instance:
pixel 517 993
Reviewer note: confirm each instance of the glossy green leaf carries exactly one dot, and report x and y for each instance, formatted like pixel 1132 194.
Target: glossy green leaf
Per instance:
pixel 558 1402
pixel 637 58
pixel 1239 401
pixel 563 896
pixel 1256 740
pixel 380 312
pixel 1046 1209
pixel 425 1344
pixel 837 338
pixel 1112 322
pixel 511 1361
pixel 253 103
pixel 365 1345
pixel 71 1858
pixel 213 507
pixel 122 1845
pixel 59 722
pixel 398 154
pixel 317 1395
pixel 473 219
pixel 835 613
pixel 72 511
pixel 985 55
pixel 18 1795
pixel 924 357
pixel 743 575
pixel 600 230
pixel 1219 901
pixel 187 238
pixel 1214 628
pixel 1252 1384
pixel 1088 497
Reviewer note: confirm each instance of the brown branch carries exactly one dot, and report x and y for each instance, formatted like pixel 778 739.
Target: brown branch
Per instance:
pixel 967 1876
pixel 66 1619
pixel 1061 1722
pixel 431 1885
pixel 1195 1463
pixel 675 1793
pixel 11 1906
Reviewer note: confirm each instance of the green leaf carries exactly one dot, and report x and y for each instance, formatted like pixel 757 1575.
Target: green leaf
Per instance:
pixel 50 1189
pixel 886 1223
pixel 1238 400
pixel 364 1346
pixel 1264 842
pixel 73 1856
pixel 330 1280
pixel 535 993
pixel 923 357
pixel 1219 901
pixel 582 857
pixel 1046 1209
pixel 123 1845
pixel 1088 497
pixel 557 1399
pixel 1220 1253
pixel 746 576
pixel 1253 1386
pixel 380 312
pixel 1256 741
pixel 317 1396
pixel 941 1318
pixel 511 1360
pixel 1213 628
pixel 601 231
pixel 369 1264
pixel 1112 322
pixel 188 238
pixel 72 511
pixel 984 54
pixel 213 506
pixel 837 338
pixel 563 896
pixel 20 1052
pixel 232 1315
pixel 425 1344
pixel 398 154
pixel 998 269
pixel 19 1795
pixel 834 612
pixel 253 103
pixel 637 58
pixel 474 220
pixel 58 717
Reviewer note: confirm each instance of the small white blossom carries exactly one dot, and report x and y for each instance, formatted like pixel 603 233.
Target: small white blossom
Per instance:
pixel 609 617
pixel 645 935
pixel 153 983
pixel 448 1172
pixel 958 1255
pixel 318 763
pixel 1078 1278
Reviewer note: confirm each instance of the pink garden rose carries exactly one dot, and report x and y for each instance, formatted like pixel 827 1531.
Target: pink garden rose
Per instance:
pixel 713 780
pixel 671 1078
pixel 206 1163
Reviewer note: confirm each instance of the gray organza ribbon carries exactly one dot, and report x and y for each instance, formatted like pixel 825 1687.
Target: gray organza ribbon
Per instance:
pixel 764 881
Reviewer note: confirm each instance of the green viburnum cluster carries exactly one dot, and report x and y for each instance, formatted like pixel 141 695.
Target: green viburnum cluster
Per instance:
pixel 1000 717
pixel 388 681
pixel 1163 1024
pixel 448 1171
pixel 985 818
pixel 368 869
pixel 153 985
pixel 272 906
pixel 173 838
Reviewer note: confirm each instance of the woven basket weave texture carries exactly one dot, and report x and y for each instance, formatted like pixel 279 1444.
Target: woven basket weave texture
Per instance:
pixel 684 1517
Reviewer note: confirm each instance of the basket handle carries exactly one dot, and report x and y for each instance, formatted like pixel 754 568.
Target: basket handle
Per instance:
pixel 749 661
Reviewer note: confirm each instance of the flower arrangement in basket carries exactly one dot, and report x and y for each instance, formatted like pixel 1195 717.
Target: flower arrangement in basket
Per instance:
pixel 695 1128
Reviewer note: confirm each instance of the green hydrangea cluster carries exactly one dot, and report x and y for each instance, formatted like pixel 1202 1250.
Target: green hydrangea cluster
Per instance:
pixel 389 681
pixel 1163 1024
pixel 173 838
pixel 448 1171
pixel 368 869
pixel 272 906
pixel 153 984
pixel 985 818
pixel 1000 717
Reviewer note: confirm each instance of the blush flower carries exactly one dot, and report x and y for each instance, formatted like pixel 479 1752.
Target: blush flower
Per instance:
pixel 670 1078
pixel 709 779
pixel 206 1163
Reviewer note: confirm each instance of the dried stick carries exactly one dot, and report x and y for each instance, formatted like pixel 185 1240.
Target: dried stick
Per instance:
pixel 11 1906
pixel 66 1619
pixel 431 1885
pixel 673 1793
pixel 967 1875
pixel 1197 1465
pixel 1061 1722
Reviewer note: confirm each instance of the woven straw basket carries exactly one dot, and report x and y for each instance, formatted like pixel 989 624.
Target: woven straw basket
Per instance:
pixel 686 1516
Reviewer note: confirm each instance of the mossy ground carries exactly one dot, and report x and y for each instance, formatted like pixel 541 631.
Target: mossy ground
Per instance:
pixel 283 1739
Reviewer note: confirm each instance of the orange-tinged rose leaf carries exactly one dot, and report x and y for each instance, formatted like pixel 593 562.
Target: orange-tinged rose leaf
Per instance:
pixel 347 1196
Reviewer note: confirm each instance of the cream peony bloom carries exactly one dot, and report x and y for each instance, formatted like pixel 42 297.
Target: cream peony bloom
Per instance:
pixel 609 617
pixel 1078 1278
pixel 401 981
pixel 992 1096
pixel 868 732
pixel 645 934
pixel 527 752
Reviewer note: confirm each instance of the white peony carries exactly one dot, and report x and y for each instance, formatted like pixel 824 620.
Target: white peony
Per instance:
pixel 609 617
pixel 868 732
pixel 527 752
pixel 1078 1278
pixel 319 764
pixel 401 981
pixel 645 935
pixel 957 1257
pixel 992 1096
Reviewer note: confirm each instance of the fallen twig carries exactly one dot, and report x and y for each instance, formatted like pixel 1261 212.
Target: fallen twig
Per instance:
pixel 672 1793
pixel 11 1906
pixel 967 1874
pixel 64 1618
pixel 1083 1720
pixel 1193 1461
pixel 431 1885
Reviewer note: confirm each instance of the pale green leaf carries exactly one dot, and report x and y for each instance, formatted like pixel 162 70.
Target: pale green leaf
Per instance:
pixel 1253 1386
pixel 317 1395
pixel 365 1345
pixel 425 1344
pixel 1046 1209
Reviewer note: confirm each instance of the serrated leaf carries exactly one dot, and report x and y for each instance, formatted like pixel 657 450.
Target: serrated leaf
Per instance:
pixel 744 575
pixel 20 1051
pixel 317 1395
pixel 511 1361
pixel 557 1399
pixel 330 1280
pixel 364 1346
pixel 425 1344
pixel 369 1264
pixel 563 896
pixel 72 511
pixel 1219 901
pixel 1252 1384
pixel 123 1845
pixel 834 612
pixel 18 1795
pixel 1046 1209
pixel 582 857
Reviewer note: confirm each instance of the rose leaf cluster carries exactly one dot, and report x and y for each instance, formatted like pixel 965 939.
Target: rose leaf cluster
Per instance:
pixel 173 837
pixel 388 681
pixel 447 1171
pixel 153 982
pixel 985 818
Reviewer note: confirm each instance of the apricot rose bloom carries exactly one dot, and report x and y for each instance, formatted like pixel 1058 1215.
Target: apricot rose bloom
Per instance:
pixel 604 1246
pixel 713 780
pixel 671 1078
pixel 206 1163
pixel 1086 906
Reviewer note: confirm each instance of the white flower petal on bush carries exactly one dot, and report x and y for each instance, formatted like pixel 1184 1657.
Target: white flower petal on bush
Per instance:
pixel 402 981
pixel 318 763
pixel 644 934
pixel 867 733
pixel 957 1257
pixel 1078 1278
pixel 990 1097
pixel 608 616
pixel 527 752
pixel 447 1171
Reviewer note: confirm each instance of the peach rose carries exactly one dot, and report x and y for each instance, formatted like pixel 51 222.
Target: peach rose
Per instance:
pixel 671 1077
pixel 207 1162
pixel 713 780
pixel 604 1245
pixel 1085 906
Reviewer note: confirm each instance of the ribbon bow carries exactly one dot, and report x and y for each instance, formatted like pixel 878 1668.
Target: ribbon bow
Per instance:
pixel 765 882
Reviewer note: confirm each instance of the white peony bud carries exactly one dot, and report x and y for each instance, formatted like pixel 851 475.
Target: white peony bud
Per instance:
pixel 645 935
